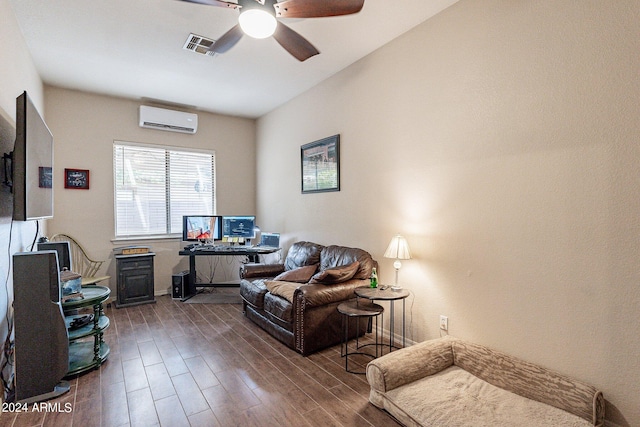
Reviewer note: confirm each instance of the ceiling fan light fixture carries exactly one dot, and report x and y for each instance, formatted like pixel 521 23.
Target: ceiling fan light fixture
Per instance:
pixel 257 23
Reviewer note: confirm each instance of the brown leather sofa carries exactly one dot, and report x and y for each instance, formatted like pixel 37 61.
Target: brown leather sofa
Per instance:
pixel 296 302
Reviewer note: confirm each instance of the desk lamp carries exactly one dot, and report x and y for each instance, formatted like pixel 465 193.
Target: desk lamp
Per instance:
pixel 397 249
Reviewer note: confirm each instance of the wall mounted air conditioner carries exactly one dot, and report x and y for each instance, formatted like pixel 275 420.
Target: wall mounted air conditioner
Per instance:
pixel 171 120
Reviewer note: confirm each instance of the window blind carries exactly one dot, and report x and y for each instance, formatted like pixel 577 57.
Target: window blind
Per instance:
pixel 155 186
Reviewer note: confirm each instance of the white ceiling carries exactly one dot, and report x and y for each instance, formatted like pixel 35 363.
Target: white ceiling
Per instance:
pixel 133 49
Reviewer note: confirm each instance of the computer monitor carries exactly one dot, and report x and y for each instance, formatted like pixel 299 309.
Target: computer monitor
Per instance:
pixel 239 227
pixel 64 253
pixel 201 227
pixel 270 240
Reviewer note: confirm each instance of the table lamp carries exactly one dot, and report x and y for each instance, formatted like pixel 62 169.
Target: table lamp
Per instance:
pixel 398 249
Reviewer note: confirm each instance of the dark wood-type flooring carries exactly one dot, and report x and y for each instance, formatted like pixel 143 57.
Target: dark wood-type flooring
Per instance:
pixel 176 364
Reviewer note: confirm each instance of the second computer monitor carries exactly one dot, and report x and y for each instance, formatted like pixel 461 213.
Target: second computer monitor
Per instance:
pixel 64 253
pixel 239 227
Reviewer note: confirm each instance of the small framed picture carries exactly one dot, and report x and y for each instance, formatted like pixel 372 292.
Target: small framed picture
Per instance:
pixel 76 179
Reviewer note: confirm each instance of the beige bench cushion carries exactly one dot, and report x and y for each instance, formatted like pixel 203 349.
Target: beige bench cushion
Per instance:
pixel 456 398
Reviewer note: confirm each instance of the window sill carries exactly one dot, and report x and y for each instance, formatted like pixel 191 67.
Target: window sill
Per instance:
pixel 145 239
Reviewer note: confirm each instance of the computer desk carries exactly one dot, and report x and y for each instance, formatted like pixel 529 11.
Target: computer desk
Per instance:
pixel 253 254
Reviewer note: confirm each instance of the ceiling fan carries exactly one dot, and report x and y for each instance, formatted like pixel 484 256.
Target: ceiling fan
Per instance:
pixel 258 19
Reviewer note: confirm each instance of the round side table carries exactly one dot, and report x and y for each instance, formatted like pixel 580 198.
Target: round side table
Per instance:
pixel 87 354
pixel 390 295
pixel 356 309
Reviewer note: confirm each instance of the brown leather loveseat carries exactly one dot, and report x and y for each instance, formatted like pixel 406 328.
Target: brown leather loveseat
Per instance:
pixel 296 302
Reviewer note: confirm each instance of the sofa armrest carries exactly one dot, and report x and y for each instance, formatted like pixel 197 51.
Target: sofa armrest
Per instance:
pixel 249 271
pixel 317 294
pixel 409 364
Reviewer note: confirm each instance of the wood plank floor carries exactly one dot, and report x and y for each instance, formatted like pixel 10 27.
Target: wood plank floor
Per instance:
pixel 177 364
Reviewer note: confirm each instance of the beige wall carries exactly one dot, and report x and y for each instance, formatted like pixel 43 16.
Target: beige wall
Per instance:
pixel 17 74
pixel 501 138
pixel 85 126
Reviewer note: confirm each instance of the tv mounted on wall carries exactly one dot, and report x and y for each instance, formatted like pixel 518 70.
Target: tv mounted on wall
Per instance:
pixel 31 164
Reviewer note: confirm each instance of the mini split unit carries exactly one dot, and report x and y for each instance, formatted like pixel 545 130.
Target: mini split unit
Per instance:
pixel 170 120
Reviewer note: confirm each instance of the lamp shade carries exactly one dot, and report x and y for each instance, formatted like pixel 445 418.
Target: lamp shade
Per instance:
pixel 398 248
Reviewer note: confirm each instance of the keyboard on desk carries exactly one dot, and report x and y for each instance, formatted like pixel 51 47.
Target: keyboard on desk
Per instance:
pixel 220 248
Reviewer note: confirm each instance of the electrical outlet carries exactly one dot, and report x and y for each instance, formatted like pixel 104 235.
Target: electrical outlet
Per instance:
pixel 444 323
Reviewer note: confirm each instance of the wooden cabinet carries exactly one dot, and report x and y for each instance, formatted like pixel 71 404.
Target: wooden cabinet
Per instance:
pixel 135 279
pixel 87 350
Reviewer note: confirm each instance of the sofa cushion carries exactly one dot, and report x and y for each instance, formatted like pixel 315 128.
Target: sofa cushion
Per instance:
pixel 298 275
pixel 253 292
pixel 282 289
pixel 455 397
pixel 301 254
pixel 318 294
pixel 279 309
pixel 336 256
pixel 336 274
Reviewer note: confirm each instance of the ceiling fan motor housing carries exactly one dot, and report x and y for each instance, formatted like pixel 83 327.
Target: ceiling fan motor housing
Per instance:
pixel 266 5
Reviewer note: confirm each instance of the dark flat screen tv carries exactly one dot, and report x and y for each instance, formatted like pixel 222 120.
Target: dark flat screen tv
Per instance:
pixel 32 164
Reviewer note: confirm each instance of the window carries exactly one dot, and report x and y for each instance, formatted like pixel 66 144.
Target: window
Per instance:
pixel 155 186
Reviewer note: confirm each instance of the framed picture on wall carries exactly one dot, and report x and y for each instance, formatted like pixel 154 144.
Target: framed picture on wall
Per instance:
pixel 76 179
pixel 320 165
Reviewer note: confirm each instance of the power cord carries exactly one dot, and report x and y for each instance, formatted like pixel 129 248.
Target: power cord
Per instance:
pixel 413 299
pixel 6 366
pixel 33 244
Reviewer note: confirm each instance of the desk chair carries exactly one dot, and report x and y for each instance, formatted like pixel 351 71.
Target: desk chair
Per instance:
pixel 81 262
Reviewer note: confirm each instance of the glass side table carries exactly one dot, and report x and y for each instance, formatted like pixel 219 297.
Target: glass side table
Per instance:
pixel 88 354
pixel 376 294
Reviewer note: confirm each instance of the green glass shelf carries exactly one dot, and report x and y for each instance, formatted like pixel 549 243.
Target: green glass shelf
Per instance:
pixel 82 354
pixel 92 295
pixel 82 357
pixel 88 329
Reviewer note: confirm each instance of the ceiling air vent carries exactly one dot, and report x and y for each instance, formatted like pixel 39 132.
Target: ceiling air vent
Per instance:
pixel 199 44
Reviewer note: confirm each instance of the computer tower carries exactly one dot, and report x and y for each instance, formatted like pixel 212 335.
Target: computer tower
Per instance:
pixel 41 339
pixel 181 286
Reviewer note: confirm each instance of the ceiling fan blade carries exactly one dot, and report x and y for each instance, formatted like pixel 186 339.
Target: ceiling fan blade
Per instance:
pixel 294 43
pixel 214 3
pixel 316 8
pixel 227 40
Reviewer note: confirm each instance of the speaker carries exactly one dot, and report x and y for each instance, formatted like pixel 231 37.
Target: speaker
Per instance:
pixel 181 287
pixel 41 338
